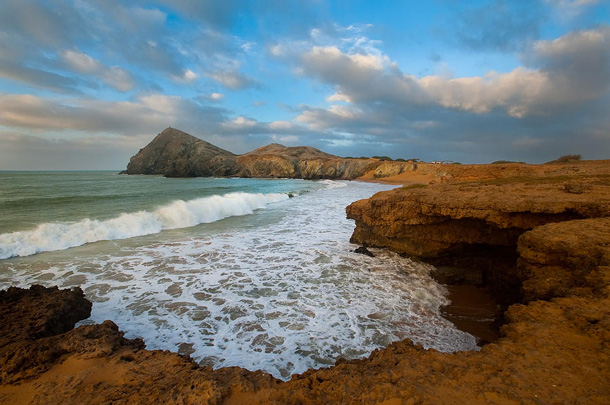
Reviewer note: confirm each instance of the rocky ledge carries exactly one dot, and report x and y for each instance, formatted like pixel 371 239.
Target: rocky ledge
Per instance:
pixel 551 236
pixel 475 226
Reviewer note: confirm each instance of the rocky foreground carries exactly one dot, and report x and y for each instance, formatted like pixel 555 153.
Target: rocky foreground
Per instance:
pixel 537 235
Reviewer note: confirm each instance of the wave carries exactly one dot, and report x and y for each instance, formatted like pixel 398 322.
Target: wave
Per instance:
pixel 333 184
pixel 177 214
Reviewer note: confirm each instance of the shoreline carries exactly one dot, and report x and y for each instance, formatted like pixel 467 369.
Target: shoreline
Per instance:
pixel 553 348
pixel 472 309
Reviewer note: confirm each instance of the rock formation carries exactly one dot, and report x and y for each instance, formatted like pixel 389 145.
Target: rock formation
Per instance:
pixel 174 153
pixel 477 224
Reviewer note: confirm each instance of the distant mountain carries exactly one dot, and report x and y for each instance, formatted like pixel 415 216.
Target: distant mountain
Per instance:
pixel 291 152
pixel 174 153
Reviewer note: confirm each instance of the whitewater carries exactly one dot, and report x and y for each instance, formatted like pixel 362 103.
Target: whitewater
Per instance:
pixel 178 214
pixel 233 272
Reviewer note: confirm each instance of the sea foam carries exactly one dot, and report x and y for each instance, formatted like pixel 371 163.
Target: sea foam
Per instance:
pixel 284 294
pixel 177 214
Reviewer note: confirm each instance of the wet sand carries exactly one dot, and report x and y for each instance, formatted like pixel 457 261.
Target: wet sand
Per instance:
pixel 473 310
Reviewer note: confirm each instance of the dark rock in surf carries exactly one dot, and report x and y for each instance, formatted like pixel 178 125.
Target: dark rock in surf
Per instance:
pixel 364 251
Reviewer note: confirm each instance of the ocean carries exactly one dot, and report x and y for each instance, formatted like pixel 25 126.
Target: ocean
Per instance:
pixel 256 273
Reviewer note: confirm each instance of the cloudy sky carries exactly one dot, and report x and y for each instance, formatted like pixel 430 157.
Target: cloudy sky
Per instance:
pixel 84 84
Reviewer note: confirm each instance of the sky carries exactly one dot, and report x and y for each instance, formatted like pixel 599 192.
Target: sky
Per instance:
pixel 85 84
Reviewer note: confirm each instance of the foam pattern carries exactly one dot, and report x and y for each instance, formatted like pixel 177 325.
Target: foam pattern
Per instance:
pixel 280 290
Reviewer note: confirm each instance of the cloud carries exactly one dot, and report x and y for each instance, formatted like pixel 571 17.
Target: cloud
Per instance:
pixel 240 123
pixel 232 80
pixel 37 77
pixel 281 125
pixel 81 62
pixel 557 94
pixel 26 152
pixel 83 46
pixel 187 76
pixel 114 76
pixel 571 69
pixel 570 9
pixel 144 115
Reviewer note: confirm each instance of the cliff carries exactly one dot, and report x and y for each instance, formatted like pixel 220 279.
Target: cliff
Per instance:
pixel 300 162
pixel 174 153
pixel 477 224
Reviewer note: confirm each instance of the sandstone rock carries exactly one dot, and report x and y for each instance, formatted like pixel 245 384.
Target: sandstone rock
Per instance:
pixel 393 169
pixel 560 259
pixel 48 312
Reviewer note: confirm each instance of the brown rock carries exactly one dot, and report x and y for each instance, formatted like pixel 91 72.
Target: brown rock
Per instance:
pixel 174 153
pixel 475 224
pixel 565 258
pixel 388 169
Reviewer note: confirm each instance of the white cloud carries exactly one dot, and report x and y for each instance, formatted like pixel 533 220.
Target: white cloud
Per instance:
pixel 232 79
pixel 239 123
pixel 217 96
pixel 114 76
pixel 572 69
pixel 516 92
pixel 81 62
pixel 189 75
pixel 338 97
pixel 280 125
pixel 118 78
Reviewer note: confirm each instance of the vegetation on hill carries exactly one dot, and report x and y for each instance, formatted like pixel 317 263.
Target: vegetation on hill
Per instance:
pixel 565 159
pixel 497 162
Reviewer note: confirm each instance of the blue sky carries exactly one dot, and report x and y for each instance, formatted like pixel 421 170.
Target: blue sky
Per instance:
pixel 85 84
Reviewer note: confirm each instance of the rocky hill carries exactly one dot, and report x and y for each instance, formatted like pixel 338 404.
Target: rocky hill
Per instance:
pixel 174 153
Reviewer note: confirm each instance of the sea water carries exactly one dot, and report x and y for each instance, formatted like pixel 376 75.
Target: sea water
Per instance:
pixel 234 272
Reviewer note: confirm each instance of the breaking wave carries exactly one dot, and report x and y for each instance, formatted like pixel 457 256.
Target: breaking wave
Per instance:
pixel 177 214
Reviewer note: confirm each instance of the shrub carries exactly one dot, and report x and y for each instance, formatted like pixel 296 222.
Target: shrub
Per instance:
pixel 497 162
pixel 566 159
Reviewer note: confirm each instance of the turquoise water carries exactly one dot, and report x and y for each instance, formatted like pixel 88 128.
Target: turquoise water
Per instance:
pixel 28 199
pixel 235 272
